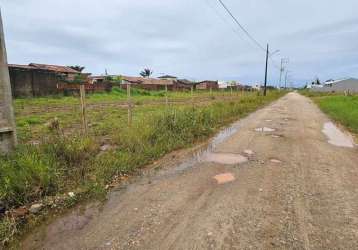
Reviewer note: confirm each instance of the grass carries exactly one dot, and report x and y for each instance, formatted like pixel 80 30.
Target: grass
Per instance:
pixel 343 109
pixel 63 160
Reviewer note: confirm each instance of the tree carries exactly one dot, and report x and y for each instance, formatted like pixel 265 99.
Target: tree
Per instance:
pixel 146 73
pixel 318 82
pixel 78 68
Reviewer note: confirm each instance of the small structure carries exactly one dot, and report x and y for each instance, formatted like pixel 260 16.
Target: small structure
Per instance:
pixel 184 84
pixel 349 85
pixel 207 85
pixel 147 83
pixel 156 84
pixel 39 79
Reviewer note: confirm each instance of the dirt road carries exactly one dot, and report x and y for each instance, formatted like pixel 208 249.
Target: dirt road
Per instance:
pixel 272 181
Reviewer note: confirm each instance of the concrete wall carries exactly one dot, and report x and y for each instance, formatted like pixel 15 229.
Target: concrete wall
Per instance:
pixel 21 83
pixel 45 83
pixel 31 83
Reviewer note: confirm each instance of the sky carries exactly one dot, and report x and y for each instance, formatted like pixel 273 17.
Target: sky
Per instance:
pixel 193 39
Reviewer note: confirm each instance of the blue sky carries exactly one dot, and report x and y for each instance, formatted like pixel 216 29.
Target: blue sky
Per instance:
pixel 192 39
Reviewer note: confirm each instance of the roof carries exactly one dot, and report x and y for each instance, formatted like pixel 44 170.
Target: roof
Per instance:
pixel 55 68
pixel 167 76
pixel 208 81
pixel 185 81
pixel 46 67
pixel 20 66
pixel 149 81
pixel 340 80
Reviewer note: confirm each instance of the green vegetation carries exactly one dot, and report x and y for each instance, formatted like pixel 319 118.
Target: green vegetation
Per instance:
pixel 343 109
pixel 63 160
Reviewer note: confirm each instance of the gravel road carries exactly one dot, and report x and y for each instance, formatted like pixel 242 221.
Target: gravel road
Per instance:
pixel 272 181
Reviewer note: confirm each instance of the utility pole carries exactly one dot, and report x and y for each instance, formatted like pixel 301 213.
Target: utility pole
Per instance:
pixel 267 55
pixel 282 69
pixel 281 72
pixel 7 120
pixel 286 79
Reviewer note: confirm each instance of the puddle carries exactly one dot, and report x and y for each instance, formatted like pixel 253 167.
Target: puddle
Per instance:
pixel 276 136
pixel 265 129
pixel 275 161
pixel 224 178
pixel 337 137
pixel 249 152
pixel 203 154
pixel 224 158
pixel 65 226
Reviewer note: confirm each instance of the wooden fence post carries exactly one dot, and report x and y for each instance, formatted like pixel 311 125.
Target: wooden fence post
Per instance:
pixel 129 100
pixel 83 108
pixel 192 95
pixel 166 94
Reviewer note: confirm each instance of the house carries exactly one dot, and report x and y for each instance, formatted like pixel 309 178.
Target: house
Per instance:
pixel 97 79
pixel 147 83
pixel 256 87
pixel 39 79
pixel 228 85
pixel 168 77
pixel 104 79
pixel 184 84
pixel 342 85
pixel 223 84
pixel 156 83
pixel 207 85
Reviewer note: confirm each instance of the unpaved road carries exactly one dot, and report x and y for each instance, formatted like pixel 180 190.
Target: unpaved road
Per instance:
pixel 296 191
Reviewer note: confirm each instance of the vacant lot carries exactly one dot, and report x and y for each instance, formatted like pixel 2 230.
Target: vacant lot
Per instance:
pixel 53 160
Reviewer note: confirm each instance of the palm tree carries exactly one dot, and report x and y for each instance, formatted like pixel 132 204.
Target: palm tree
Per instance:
pixel 78 68
pixel 146 73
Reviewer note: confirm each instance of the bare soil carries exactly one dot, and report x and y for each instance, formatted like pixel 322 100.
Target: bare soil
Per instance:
pixel 295 191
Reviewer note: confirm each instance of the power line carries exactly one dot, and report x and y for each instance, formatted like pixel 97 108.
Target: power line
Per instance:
pixel 241 26
pixel 247 33
pixel 224 20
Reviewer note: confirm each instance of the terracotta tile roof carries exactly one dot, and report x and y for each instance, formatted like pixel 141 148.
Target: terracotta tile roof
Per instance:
pixel 55 68
pixel 20 66
pixel 148 81
pixel 46 67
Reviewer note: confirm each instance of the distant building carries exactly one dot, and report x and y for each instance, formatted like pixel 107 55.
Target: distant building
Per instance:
pixel 167 77
pixel 156 84
pixel 228 85
pixel 342 85
pixel 207 85
pixel 257 87
pixel 39 79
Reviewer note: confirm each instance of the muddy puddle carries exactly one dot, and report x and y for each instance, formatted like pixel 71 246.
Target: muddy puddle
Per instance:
pixel 265 129
pixel 208 153
pixel 73 221
pixel 224 158
pixel 336 137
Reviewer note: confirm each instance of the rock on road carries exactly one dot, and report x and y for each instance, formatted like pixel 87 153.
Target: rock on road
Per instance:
pixel 275 183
